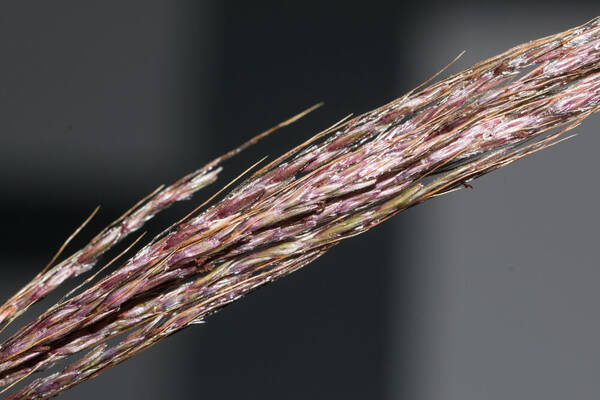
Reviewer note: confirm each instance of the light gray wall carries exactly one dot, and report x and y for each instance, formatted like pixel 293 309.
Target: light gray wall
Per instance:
pixel 504 292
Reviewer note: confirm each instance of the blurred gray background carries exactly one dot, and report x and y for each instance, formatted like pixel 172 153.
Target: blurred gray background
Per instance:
pixel 487 293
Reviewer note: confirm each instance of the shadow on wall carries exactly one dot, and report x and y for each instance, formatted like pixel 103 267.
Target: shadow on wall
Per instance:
pixel 104 103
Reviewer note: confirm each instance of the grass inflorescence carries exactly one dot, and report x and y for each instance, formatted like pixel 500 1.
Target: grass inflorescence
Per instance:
pixel 340 183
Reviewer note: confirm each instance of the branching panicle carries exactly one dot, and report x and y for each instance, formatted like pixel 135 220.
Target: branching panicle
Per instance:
pixel 338 184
